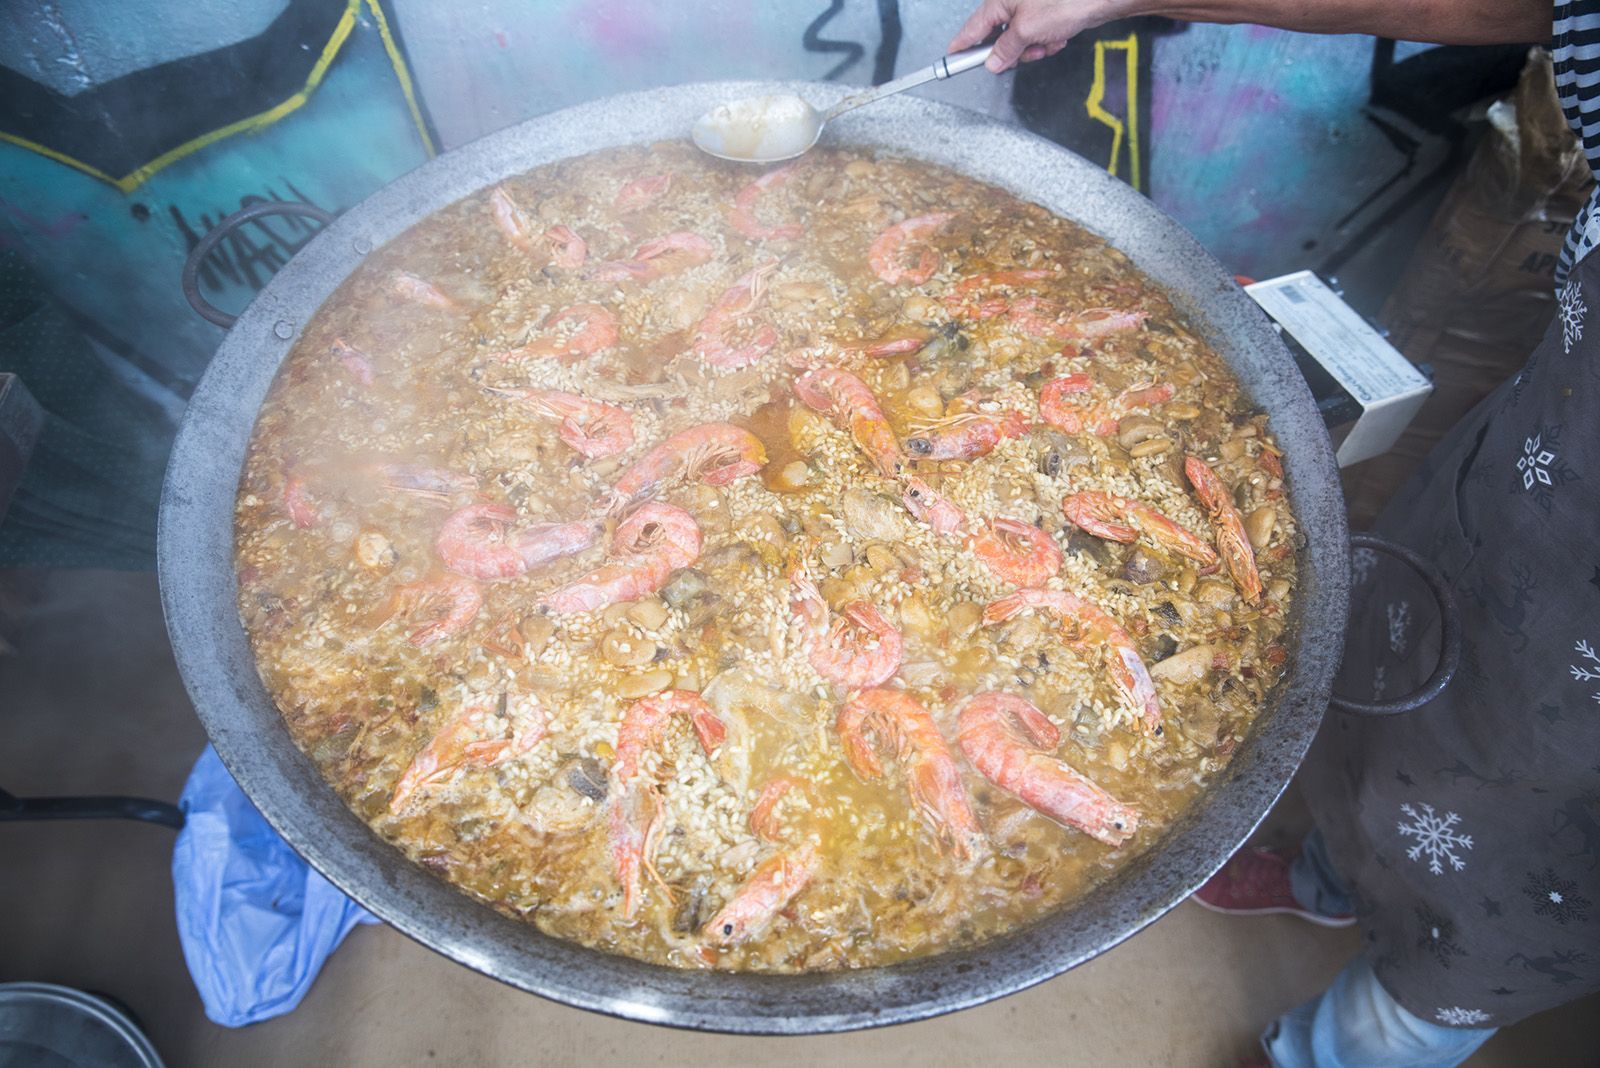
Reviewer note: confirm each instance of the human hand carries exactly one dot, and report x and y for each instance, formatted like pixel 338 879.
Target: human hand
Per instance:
pixel 1034 28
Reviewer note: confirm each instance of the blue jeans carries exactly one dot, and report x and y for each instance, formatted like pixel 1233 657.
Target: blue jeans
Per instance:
pixel 1355 1023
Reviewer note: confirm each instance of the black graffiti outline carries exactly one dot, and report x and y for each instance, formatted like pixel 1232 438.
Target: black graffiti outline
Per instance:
pixel 883 59
pixel 237 260
pixel 812 41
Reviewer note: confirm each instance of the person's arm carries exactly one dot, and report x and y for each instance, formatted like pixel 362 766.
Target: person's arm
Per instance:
pixel 1038 28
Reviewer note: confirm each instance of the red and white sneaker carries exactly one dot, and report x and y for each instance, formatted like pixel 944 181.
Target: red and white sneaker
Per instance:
pixel 1255 882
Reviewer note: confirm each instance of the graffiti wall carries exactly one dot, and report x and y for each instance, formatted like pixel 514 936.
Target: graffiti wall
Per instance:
pixel 126 131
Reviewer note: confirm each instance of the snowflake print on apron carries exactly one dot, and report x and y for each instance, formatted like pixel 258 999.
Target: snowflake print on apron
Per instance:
pixel 1456 1016
pixel 1540 468
pixel 1436 838
pixel 1583 672
pixel 1556 898
pixel 1571 310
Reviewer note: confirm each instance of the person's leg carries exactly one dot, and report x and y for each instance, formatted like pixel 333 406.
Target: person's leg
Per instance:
pixel 1315 883
pixel 1257 882
pixel 1356 1024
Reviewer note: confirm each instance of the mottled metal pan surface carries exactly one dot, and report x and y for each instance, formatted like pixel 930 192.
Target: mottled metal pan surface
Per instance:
pixel 199 588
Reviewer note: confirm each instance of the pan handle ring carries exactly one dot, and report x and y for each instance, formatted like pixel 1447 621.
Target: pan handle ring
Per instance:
pixel 1449 633
pixel 191 266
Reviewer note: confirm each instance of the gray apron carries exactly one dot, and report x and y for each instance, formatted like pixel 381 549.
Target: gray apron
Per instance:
pixel 1469 830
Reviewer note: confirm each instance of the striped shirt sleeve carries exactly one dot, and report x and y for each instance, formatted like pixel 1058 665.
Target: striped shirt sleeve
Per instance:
pixel 1575 50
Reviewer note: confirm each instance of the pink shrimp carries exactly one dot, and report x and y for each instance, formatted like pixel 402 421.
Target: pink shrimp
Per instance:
pixel 303 511
pixel 986 734
pixel 901 253
pixel 931 507
pixel 636 804
pixel 481 735
pixel 965 435
pixel 480 542
pixel 763 823
pixel 860 648
pixel 1232 541
pixel 654 259
pixel 932 777
pixel 1053 406
pixel 414 289
pixel 851 405
pixel 726 338
pixel 569 250
pixel 1088 629
pixel 1017 552
pixel 774 884
pixel 1042 318
pixel 437 484
pixel 899 341
pixel 595 429
pixel 742 216
pixel 355 362
pixel 641 193
pixel 962 303
pixel 1120 519
pixel 512 221
pixel 446 604
pixel 596 330
pixel 713 453
pixel 1099 419
pixel 646 549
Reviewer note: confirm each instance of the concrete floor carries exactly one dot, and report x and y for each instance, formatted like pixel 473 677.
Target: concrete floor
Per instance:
pixel 91 702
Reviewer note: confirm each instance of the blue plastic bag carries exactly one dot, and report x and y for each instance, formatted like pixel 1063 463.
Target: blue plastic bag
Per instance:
pixel 255 921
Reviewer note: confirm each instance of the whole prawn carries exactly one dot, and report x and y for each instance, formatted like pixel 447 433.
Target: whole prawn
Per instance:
pixel 776 882
pixel 851 405
pixel 713 453
pixel 478 736
pixel 1089 630
pixel 724 339
pixel 932 776
pixel 965 435
pixel 1098 419
pixel 1120 519
pixel 641 193
pixel 480 541
pixel 742 216
pixel 655 259
pixel 595 429
pixel 859 648
pixel 596 330
pixel 901 252
pixel 988 737
pixel 648 546
pixel 445 603
pixel 931 507
pixel 636 802
pixel 1016 552
pixel 1232 541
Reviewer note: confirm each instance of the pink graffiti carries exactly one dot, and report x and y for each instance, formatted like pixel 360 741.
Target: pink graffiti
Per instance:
pixel 54 231
pixel 623 29
pixel 1231 109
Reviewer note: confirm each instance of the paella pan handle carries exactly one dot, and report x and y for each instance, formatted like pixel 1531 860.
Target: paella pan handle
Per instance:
pixel 1449 633
pixel 191 266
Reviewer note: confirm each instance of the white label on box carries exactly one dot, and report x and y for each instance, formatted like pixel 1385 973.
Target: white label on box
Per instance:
pixel 1370 369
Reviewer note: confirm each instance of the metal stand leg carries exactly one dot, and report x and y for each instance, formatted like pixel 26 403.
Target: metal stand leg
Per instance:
pixel 13 808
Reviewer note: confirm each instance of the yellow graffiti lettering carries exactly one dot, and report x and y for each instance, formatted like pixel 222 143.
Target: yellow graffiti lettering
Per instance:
pixel 1129 47
pixel 341 32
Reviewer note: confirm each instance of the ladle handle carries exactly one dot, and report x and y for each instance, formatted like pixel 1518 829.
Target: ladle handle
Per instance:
pixel 190 279
pixel 1449 633
pixel 943 67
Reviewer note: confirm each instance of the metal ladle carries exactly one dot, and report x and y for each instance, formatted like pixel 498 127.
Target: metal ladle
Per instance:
pixel 767 129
